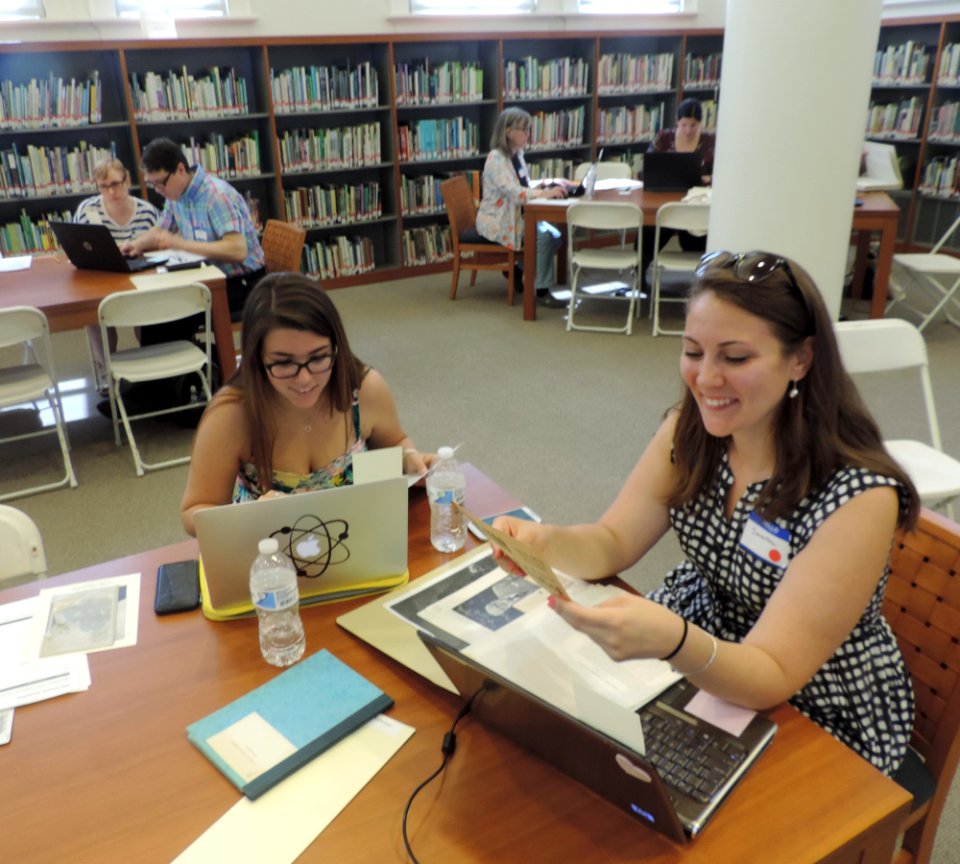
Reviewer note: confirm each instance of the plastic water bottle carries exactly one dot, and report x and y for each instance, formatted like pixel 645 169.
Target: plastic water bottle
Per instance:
pixel 273 588
pixel 446 484
pixel 590 181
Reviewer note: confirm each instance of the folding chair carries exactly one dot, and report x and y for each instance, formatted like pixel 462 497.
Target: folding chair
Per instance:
pixel 30 381
pixel 933 274
pixel 22 546
pixel 611 170
pixel 667 262
pixel 623 258
pixel 470 250
pixel 888 344
pixel 154 362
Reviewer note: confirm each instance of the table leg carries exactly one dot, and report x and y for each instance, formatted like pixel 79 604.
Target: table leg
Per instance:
pixel 529 267
pixel 860 264
pixel 881 276
pixel 222 329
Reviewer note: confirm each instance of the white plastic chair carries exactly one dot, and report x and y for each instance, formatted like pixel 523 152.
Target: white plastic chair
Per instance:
pixel 883 168
pixel 605 171
pixel 624 257
pixel 30 382
pixel 669 262
pixel 22 545
pixel 932 274
pixel 889 344
pixel 140 308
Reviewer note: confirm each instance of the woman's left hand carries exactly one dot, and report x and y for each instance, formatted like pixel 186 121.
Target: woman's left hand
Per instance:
pixel 627 627
pixel 415 462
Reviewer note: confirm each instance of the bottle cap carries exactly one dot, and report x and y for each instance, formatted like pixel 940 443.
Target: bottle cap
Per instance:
pixel 269 546
pixel 445 452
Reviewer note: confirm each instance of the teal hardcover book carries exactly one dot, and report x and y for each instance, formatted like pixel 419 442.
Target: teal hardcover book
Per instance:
pixel 266 735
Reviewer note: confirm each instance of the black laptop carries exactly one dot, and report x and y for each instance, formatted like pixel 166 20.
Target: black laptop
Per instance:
pixel 689 768
pixel 672 172
pixel 92 247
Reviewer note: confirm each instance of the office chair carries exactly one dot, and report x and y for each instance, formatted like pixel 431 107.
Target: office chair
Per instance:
pixel 605 171
pixel 676 216
pixel 30 382
pixel 885 345
pixel 622 259
pixel 922 604
pixel 932 274
pixel 471 251
pixel 154 362
pixel 22 546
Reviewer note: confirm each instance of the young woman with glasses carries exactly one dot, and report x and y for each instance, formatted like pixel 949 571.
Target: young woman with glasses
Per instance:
pixel 774 478
pixel 299 407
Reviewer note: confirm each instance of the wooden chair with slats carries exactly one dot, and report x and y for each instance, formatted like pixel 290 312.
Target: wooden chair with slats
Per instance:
pixel 282 246
pixel 470 250
pixel 922 604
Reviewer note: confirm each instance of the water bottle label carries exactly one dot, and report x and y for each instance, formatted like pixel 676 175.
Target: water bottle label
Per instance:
pixel 274 600
pixel 444 497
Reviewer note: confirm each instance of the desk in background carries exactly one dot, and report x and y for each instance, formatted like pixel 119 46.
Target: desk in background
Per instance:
pixel 108 774
pixel 877 215
pixel 69 298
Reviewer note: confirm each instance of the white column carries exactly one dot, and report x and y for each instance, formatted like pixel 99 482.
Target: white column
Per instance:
pixel 794 92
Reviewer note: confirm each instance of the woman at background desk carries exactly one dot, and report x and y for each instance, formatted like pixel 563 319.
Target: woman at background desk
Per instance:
pixel 775 480
pixel 688 136
pixel 125 216
pixel 506 187
pixel 298 408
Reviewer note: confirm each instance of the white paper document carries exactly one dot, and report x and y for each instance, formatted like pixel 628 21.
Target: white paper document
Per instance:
pixel 15 262
pixel 85 617
pixel 280 824
pixel 23 682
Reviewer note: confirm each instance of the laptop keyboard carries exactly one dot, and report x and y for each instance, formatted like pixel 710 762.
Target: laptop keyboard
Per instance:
pixel 693 760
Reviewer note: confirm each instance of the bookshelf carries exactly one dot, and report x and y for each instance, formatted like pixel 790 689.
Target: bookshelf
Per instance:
pixel 351 136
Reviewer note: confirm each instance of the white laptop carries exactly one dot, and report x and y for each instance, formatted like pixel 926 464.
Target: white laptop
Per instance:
pixel 344 542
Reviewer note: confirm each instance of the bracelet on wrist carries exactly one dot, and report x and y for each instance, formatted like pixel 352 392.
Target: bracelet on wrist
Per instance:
pixel 705 666
pixel 683 638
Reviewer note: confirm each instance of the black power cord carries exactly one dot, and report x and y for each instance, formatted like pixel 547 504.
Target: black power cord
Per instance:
pixel 448 747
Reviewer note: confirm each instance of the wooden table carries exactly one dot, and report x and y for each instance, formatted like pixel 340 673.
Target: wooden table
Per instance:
pixel 108 775
pixel 877 215
pixel 69 298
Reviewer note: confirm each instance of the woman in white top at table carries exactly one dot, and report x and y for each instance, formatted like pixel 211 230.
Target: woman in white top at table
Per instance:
pixel 124 215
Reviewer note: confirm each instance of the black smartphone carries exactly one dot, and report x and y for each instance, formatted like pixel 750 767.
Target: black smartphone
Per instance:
pixel 178 587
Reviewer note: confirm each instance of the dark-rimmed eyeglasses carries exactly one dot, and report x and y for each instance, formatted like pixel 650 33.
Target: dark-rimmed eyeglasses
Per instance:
pixel 159 185
pixel 315 365
pixel 112 187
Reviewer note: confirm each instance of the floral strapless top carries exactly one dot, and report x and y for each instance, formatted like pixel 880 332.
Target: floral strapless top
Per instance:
pixel 338 472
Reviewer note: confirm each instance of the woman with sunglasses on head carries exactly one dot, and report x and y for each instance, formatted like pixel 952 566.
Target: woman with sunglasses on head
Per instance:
pixel 775 479
pixel 124 215
pixel 299 407
pixel 506 188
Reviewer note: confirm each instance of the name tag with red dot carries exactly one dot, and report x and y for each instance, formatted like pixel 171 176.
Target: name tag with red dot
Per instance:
pixel 766 540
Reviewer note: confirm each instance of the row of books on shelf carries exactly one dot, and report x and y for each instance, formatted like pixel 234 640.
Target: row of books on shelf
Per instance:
pixel 634 73
pixel 940 177
pixel 623 125
pixel 320 206
pixel 51 102
pixel 419 83
pixel 324 88
pixel 895 119
pixel 901 64
pixel 948 74
pixel 430 139
pixel 36 172
pixel 339 256
pixel 239 157
pixel 945 124
pixel 431 244
pixel 178 95
pixel 552 129
pixel 304 150
pixel 421 194
pixel 551 167
pixel 28 235
pixel 532 78
pixel 702 70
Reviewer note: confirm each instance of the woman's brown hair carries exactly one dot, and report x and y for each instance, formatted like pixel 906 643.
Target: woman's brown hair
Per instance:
pixel 825 427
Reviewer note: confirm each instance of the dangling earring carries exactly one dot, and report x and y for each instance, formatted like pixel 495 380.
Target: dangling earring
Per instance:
pixel 794 390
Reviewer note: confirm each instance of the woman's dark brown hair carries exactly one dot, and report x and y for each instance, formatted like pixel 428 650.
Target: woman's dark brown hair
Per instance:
pixel 295 302
pixel 825 427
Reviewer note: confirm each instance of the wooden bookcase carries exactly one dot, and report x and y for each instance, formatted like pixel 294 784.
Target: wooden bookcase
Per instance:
pixel 350 136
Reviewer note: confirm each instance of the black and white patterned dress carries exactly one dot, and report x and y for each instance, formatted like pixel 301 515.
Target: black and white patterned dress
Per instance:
pixel 862 694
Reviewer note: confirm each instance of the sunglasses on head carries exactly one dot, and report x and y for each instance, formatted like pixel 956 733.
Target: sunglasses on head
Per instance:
pixel 752 267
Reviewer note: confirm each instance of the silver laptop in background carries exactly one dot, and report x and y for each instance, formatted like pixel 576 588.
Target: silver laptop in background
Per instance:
pixel 344 542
